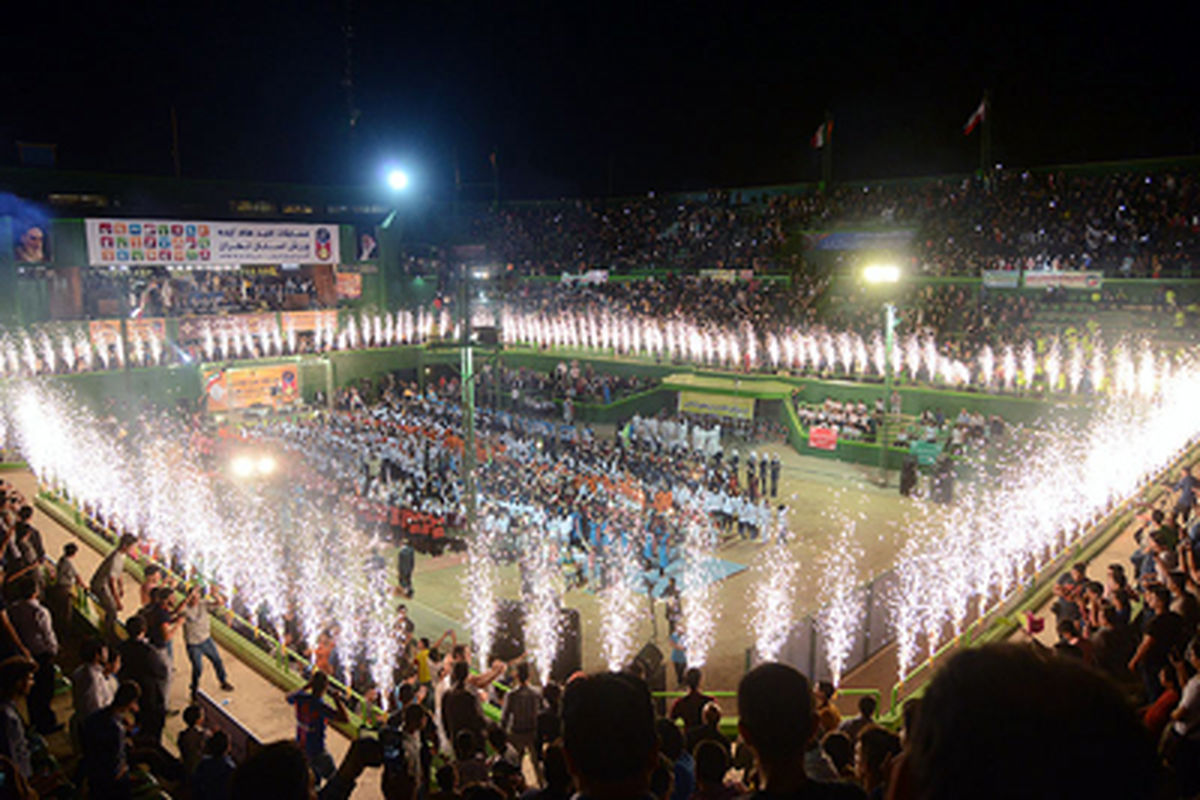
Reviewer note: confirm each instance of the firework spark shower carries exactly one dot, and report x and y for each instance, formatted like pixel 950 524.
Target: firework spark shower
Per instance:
pixel 1040 505
pixel 968 558
pixel 772 599
pixel 841 615
pixel 146 482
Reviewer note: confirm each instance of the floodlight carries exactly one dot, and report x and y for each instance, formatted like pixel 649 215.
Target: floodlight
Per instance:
pixel 242 466
pixel 397 180
pixel 882 273
pixel 266 465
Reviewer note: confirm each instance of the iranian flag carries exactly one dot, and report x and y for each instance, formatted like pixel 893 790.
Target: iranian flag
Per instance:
pixel 976 117
pixel 823 135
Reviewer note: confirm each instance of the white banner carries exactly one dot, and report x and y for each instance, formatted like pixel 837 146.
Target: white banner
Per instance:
pixel 593 277
pixel 201 244
pixel 1001 278
pixel 1067 280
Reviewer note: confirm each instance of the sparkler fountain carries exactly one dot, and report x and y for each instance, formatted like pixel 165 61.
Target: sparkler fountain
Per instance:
pixel 697 591
pixel 542 603
pixel 619 611
pixel 772 599
pixel 841 613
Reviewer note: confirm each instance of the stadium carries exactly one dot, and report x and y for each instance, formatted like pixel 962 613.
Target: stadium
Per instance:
pixel 819 488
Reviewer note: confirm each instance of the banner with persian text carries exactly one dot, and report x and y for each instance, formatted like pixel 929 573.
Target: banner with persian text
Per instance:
pixel 202 244
pixel 1065 280
pixel 719 405
pixel 276 386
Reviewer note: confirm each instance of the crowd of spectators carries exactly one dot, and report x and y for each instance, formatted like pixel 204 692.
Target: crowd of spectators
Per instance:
pixel 710 231
pixel 157 291
pixel 961 318
pixel 956 433
pixel 1141 630
pixel 701 300
pixel 533 392
pixel 851 420
pixel 1130 223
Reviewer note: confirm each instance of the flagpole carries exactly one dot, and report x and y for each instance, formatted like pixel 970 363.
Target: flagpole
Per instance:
pixel 827 153
pixel 985 136
pixel 495 159
pixel 175 142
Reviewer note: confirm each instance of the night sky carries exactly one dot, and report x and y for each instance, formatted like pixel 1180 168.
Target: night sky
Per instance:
pixel 583 97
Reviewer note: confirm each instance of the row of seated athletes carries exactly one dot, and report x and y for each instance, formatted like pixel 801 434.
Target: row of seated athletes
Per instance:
pixel 850 424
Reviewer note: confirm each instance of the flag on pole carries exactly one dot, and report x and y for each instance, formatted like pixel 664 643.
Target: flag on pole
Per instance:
pixel 823 135
pixel 976 117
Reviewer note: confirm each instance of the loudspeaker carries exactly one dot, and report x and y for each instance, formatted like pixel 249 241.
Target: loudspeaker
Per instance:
pixel 649 658
pixel 486 336
pixel 509 641
pixel 653 668
pixel 569 658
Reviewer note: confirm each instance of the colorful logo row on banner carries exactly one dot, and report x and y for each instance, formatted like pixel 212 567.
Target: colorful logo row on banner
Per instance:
pixel 203 243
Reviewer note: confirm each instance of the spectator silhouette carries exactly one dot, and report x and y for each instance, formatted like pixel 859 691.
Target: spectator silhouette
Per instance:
pixel 988 711
pixel 608 736
pixel 777 720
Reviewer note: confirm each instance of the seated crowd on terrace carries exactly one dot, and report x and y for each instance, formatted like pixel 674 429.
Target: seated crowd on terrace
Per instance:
pixel 855 420
pixel 1129 223
pixel 159 292
pixel 532 391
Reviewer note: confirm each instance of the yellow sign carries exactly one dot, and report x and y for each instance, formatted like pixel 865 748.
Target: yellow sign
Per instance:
pixel 720 405
pixel 275 386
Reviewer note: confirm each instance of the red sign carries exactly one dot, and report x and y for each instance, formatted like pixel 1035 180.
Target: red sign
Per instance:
pixel 822 438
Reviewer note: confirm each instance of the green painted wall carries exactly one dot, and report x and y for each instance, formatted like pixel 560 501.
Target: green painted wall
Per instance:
pixel 160 386
pixel 350 366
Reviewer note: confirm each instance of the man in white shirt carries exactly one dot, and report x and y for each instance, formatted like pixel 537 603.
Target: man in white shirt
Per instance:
pixel 34 625
pixel 197 634
pixel 108 584
pixel 93 683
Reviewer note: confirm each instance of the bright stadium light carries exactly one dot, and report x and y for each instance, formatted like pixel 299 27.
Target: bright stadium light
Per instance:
pixel 266 465
pixel 881 273
pixel 242 466
pixel 397 180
